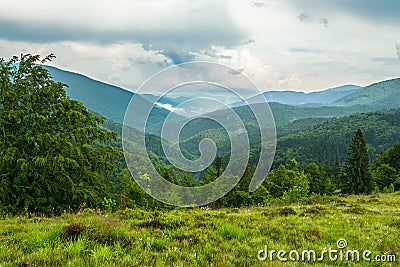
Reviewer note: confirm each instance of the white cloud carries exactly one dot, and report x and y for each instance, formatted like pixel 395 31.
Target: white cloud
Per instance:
pixel 265 76
pixel 171 108
pixel 123 64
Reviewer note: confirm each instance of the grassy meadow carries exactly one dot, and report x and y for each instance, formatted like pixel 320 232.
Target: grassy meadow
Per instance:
pixel 205 237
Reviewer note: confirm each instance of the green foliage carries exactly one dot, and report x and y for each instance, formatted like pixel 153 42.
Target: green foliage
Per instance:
pixel 109 205
pixel 288 182
pixel 389 189
pixel 317 178
pixel 53 155
pixel 385 169
pixel 357 173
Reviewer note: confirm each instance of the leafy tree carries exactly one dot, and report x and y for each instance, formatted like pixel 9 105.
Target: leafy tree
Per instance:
pixel 260 196
pixel 278 182
pixel 53 155
pixel 383 176
pixel 299 191
pixel 386 168
pixel 287 182
pixel 390 157
pixel 131 195
pixel 318 178
pixel 357 172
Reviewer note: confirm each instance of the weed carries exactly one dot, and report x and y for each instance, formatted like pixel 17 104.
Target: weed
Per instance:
pixel 72 231
pixel 286 211
pixel 231 232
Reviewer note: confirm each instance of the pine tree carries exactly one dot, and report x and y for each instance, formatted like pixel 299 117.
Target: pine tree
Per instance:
pixel 357 172
pixel 219 165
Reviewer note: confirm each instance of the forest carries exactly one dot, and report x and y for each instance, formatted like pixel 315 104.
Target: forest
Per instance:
pixel 57 156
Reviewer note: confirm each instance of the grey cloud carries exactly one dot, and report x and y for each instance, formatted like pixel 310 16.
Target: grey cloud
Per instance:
pixel 299 49
pixel 258 4
pixel 398 49
pixel 330 64
pixel 302 16
pixel 225 57
pixel 178 58
pixel 236 72
pixel 387 61
pixel 248 41
pixel 198 37
pixel 376 10
pixel 324 22
pixel 187 33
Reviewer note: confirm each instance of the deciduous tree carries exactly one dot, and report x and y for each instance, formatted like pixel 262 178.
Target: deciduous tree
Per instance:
pixel 53 155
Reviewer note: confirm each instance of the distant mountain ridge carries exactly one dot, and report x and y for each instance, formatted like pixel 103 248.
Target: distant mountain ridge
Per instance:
pixel 111 101
pixel 288 97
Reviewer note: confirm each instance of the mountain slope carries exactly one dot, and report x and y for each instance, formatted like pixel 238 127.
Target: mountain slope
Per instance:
pixel 311 139
pixel 330 140
pixel 385 94
pixel 105 99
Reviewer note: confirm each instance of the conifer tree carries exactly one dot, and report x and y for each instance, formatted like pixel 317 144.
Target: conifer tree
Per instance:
pixel 357 172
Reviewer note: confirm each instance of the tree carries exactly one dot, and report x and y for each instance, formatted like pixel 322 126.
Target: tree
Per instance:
pixel 53 155
pixel 219 165
pixel 357 172
pixel 386 168
pixel 287 182
pixel 318 178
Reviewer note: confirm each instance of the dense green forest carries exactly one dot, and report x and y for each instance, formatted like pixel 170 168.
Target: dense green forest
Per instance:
pixel 57 156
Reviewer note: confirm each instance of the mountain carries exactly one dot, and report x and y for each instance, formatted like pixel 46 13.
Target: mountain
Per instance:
pixel 283 114
pixel 310 140
pixel 300 128
pixel 385 94
pixel 104 99
pixel 324 97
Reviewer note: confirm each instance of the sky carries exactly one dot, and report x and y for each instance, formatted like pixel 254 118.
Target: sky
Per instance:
pixel 301 45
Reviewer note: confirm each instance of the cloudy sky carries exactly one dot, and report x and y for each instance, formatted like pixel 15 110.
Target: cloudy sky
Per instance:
pixel 302 45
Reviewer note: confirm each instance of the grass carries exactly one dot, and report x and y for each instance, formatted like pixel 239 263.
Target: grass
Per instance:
pixel 205 237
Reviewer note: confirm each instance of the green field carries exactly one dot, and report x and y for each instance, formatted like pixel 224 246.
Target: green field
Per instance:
pixel 206 237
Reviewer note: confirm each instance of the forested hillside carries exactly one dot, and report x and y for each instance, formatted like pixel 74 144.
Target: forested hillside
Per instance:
pixel 329 141
pixel 313 139
pixel 383 94
pixel 56 155
pixel 104 99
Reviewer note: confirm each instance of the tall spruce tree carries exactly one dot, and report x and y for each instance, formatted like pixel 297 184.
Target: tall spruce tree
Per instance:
pixel 53 155
pixel 357 173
